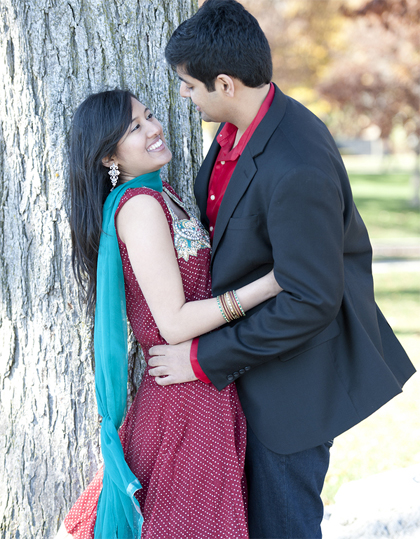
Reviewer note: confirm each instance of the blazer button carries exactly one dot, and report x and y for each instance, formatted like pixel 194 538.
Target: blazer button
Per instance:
pixel 236 374
pixel 241 371
pixel 229 377
pixel 248 368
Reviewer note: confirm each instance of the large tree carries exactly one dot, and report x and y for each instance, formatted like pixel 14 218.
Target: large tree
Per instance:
pixel 52 55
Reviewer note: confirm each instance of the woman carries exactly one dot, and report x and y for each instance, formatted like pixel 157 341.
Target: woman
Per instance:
pixel 179 455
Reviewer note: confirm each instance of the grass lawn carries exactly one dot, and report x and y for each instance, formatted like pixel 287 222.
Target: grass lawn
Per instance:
pixel 390 438
pixel 383 200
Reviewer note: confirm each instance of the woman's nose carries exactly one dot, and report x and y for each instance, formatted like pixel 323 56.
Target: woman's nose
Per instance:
pixel 154 128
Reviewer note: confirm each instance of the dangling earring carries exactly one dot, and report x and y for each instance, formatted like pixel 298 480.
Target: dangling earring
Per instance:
pixel 114 173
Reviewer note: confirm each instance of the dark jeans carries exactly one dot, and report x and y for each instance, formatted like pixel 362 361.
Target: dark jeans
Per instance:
pixel 284 491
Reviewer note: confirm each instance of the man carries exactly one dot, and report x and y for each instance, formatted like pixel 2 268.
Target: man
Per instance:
pixel 273 192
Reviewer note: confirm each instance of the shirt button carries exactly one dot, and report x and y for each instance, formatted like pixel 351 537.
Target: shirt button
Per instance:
pixel 211 229
pixel 212 197
pixel 222 162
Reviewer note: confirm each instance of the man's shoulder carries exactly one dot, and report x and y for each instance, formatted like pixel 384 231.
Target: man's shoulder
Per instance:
pixel 295 115
pixel 299 128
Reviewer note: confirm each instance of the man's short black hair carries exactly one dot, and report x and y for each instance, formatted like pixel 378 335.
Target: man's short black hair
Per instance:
pixel 222 37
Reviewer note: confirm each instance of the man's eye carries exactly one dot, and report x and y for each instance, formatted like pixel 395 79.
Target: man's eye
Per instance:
pixel 149 116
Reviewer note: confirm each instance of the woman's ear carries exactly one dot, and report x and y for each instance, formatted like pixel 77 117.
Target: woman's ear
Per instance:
pixel 107 161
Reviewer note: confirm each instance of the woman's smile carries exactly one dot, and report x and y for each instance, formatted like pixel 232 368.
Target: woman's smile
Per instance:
pixel 158 145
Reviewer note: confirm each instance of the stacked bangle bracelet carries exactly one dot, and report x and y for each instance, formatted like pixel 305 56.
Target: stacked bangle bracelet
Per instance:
pixel 230 306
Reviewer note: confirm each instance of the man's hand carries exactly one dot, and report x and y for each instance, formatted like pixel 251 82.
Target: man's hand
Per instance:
pixel 171 364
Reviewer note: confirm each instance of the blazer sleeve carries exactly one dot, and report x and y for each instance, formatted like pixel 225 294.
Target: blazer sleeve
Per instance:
pixel 306 230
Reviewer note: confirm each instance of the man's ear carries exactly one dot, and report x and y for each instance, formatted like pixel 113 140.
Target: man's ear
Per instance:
pixel 107 161
pixel 226 84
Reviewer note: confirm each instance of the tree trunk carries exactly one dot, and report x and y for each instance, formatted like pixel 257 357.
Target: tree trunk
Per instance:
pixel 52 55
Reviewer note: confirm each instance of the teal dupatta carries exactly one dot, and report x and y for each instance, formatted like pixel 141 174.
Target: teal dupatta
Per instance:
pixel 118 514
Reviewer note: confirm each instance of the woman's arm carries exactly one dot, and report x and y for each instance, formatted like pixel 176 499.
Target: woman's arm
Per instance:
pixel 143 227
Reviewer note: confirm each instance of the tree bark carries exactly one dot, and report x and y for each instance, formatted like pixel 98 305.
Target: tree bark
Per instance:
pixel 52 55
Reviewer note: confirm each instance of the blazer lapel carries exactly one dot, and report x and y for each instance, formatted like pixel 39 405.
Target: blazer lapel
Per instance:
pixel 244 172
pixel 201 186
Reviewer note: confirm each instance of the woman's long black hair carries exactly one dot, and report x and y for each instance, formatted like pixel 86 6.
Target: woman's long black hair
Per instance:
pixel 99 124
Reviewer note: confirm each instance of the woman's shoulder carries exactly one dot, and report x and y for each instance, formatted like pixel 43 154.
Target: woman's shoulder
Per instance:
pixel 134 193
pixel 138 207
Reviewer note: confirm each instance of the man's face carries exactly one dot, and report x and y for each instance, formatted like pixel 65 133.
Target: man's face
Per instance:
pixel 209 104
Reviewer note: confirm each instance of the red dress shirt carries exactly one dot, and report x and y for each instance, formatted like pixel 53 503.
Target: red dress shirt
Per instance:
pixel 222 172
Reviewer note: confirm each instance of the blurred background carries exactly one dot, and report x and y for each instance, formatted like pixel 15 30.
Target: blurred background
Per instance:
pixel 356 65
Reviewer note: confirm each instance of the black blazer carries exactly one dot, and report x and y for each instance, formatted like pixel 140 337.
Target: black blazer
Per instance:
pixel 320 357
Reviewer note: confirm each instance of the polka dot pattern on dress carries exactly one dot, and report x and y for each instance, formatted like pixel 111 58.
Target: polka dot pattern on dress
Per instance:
pixel 185 443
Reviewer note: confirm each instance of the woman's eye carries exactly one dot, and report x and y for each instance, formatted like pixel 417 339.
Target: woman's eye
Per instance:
pixel 137 126
pixel 149 116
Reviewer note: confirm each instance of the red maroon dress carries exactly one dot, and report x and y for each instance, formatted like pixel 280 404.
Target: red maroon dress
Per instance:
pixel 185 442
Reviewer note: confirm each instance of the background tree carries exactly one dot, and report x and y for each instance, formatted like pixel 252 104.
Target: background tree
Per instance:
pixel 376 80
pixel 302 37
pixel 52 55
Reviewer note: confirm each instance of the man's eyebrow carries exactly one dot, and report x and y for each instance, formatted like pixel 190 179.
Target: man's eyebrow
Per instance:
pixel 180 78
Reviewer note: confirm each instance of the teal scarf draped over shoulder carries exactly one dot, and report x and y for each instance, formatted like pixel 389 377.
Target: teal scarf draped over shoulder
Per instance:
pixel 118 514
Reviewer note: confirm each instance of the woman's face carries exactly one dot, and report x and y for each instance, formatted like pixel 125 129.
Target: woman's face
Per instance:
pixel 143 148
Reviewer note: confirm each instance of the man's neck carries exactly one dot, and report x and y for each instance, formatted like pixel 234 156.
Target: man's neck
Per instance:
pixel 248 103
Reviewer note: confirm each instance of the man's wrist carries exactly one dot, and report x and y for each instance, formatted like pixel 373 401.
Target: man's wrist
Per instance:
pixel 198 371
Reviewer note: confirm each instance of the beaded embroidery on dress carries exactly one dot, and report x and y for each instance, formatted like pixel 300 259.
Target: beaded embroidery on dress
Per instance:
pixel 189 234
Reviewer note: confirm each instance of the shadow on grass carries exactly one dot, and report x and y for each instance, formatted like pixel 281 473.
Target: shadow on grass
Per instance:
pixel 413 292
pixel 394 205
pixel 382 178
pixel 407 333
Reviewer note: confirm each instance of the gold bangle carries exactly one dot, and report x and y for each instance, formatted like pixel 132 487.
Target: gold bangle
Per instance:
pixel 226 308
pixel 235 304
pixel 230 306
